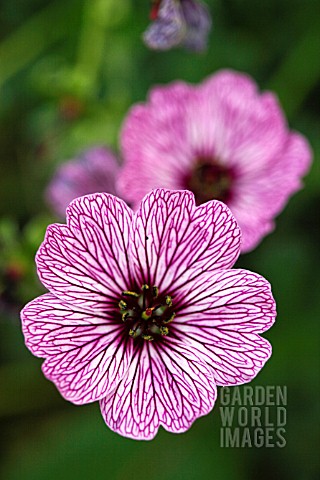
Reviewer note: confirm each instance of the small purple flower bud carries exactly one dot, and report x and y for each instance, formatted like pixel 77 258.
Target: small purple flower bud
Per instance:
pixel 178 23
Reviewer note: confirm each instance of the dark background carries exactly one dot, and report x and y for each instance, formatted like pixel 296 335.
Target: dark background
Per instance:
pixel 69 70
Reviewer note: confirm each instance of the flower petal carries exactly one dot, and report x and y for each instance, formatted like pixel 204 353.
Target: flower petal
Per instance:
pixel 281 178
pixel 86 261
pixel 220 315
pixel 230 120
pixel 166 385
pixel 94 171
pixel 235 357
pixel 86 354
pixel 170 236
pixel 161 158
pixel 260 195
pixel 253 230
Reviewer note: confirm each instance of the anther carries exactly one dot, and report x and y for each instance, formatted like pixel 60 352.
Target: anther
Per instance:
pixel 169 320
pixel 168 301
pixel 145 287
pixel 125 316
pixel 123 305
pixel 127 293
pixel 155 292
pixel 147 337
pixel 164 330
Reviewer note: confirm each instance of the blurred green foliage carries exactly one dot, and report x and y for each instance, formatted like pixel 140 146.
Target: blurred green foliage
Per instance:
pixel 69 71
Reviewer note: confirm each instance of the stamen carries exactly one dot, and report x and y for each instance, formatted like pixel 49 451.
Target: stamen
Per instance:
pixel 128 293
pixel 135 331
pixel 168 300
pixel 123 305
pixel 145 287
pixel 164 330
pixel 125 316
pixel 169 320
pixel 147 337
pixel 155 292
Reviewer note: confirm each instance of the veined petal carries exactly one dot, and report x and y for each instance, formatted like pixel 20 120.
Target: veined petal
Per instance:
pixel 253 230
pixel 86 354
pixel 235 299
pixel 260 195
pixel 166 385
pixel 170 235
pixel 242 128
pixel 161 158
pixel 86 261
pixel 235 357
pixel 282 178
pixel 220 316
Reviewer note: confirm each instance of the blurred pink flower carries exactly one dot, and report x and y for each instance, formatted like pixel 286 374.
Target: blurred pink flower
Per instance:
pixel 93 171
pixel 221 139
pixel 184 23
pixel 144 312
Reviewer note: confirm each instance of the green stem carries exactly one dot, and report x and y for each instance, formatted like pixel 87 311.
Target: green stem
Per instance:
pixel 91 45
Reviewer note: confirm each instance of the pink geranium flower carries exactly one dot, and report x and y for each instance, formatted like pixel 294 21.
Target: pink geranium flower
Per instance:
pixel 221 139
pixel 144 312
pixel 93 171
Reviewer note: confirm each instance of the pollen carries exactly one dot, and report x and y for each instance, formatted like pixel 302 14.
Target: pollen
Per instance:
pixel 168 300
pixel 123 305
pixel 169 320
pixel 125 316
pixel 130 294
pixel 147 337
pixel 164 330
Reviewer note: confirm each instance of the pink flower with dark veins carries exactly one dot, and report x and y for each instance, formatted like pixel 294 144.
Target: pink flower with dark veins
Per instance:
pixel 144 312
pixel 93 171
pixel 222 140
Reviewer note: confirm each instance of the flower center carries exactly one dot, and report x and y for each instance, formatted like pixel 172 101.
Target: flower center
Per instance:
pixel 210 181
pixel 146 313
